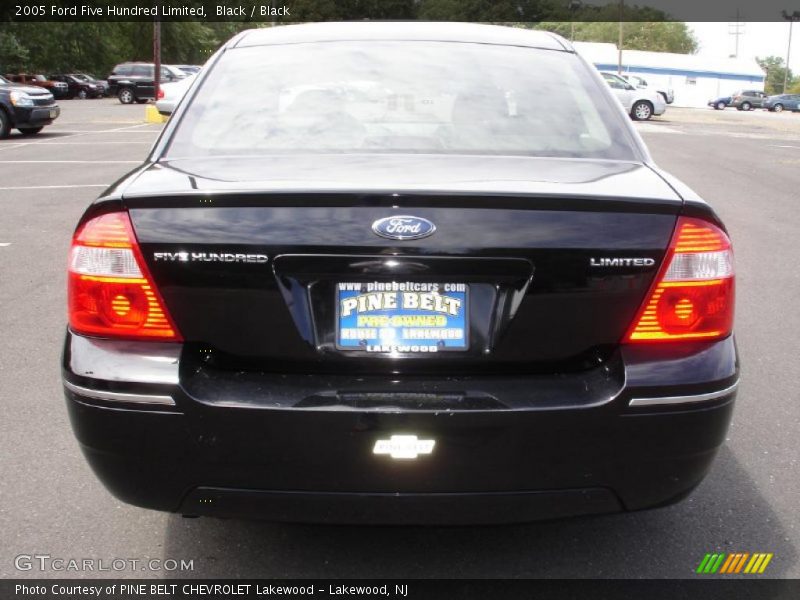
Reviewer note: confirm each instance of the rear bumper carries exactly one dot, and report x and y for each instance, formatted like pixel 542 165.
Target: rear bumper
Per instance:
pixel 287 450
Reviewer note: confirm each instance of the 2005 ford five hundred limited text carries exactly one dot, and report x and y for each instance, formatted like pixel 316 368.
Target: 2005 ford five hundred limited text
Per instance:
pixel 400 273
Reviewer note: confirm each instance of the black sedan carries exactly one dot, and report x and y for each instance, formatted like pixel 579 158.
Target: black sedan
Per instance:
pixel 79 86
pixel 720 103
pixel 400 273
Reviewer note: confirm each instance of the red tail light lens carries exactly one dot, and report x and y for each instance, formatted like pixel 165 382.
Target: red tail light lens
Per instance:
pixel 110 291
pixel 160 93
pixel 693 295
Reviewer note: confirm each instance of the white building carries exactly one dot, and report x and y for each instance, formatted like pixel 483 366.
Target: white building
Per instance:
pixel 694 79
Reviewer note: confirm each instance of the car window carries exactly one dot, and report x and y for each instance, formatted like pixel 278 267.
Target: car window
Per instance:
pixel 142 71
pixel 4 81
pixel 419 97
pixel 124 70
pixel 615 81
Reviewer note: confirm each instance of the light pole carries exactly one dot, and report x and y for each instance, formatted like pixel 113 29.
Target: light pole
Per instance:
pixel 156 56
pixel 795 16
pixel 574 6
pixel 619 44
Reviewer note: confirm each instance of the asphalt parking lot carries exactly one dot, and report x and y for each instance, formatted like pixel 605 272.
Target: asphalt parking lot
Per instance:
pixel 746 164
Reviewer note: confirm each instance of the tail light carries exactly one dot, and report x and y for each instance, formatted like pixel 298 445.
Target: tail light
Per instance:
pixel 692 297
pixel 160 93
pixel 110 291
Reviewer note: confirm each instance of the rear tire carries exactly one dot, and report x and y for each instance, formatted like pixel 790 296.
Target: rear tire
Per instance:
pixel 5 125
pixel 30 130
pixel 641 110
pixel 126 96
pixel 82 95
pixel 747 106
pixel 721 106
pixel 778 108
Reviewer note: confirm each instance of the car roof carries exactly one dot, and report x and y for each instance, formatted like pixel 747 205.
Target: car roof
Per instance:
pixel 407 31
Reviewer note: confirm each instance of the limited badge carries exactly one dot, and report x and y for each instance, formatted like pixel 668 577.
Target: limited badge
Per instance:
pixel 404 446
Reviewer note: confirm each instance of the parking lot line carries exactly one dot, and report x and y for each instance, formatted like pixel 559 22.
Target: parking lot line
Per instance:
pixel 49 143
pixel 71 133
pixel 55 187
pixel 69 162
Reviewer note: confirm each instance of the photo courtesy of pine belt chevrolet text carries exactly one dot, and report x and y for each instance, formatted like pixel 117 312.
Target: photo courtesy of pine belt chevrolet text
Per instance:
pixel 400 273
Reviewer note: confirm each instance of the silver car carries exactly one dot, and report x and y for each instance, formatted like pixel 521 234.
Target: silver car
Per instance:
pixel 641 104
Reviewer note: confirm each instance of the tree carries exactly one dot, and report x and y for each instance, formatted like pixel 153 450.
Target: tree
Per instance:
pixel 655 36
pixel 12 54
pixel 775 70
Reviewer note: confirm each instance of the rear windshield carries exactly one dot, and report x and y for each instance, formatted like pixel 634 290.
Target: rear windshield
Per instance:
pixel 400 97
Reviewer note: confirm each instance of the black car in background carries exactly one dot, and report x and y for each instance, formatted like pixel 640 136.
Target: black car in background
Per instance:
pixel 363 277
pixel 79 87
pixel 135 81
pixel 101 83
pixel 26 108
pixel 720 103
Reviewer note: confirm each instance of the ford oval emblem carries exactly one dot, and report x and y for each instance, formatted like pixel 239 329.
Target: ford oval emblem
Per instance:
pixel 403 227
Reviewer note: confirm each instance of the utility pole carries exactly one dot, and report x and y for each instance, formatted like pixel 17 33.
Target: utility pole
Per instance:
pixel 620 41
pixel 574 6
pixel 157 56
pixel 736 29
pixel 795 16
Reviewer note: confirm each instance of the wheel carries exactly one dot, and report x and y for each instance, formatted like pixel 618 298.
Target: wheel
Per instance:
pixel 141 100
pixel 778 108
pixel 30 130
pixel 126 96
pixel 720 106
pixel 82 94
pixel 642 110
pixel 746 106
pixel 5 124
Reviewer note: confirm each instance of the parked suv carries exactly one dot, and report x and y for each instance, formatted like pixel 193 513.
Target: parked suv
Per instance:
pixel 27 108
pixel 748 99
pixel 78 87
pixel 641 104
pixel 135 81
pixel 59 89
pixel 668 94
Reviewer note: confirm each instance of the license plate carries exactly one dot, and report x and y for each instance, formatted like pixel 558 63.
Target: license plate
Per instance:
pixel 402 317
pixel 53 113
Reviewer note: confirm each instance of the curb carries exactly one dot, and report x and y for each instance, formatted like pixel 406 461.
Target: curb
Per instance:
pixel 151 115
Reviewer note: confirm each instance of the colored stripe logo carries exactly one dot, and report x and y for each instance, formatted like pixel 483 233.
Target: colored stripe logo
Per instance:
pixel 734 563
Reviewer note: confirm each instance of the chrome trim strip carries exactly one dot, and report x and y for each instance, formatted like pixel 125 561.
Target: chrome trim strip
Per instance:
pixel 120 360
pixel 683 399
pixel 119 396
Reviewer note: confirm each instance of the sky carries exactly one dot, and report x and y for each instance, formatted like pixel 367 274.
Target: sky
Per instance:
pixel 757 39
